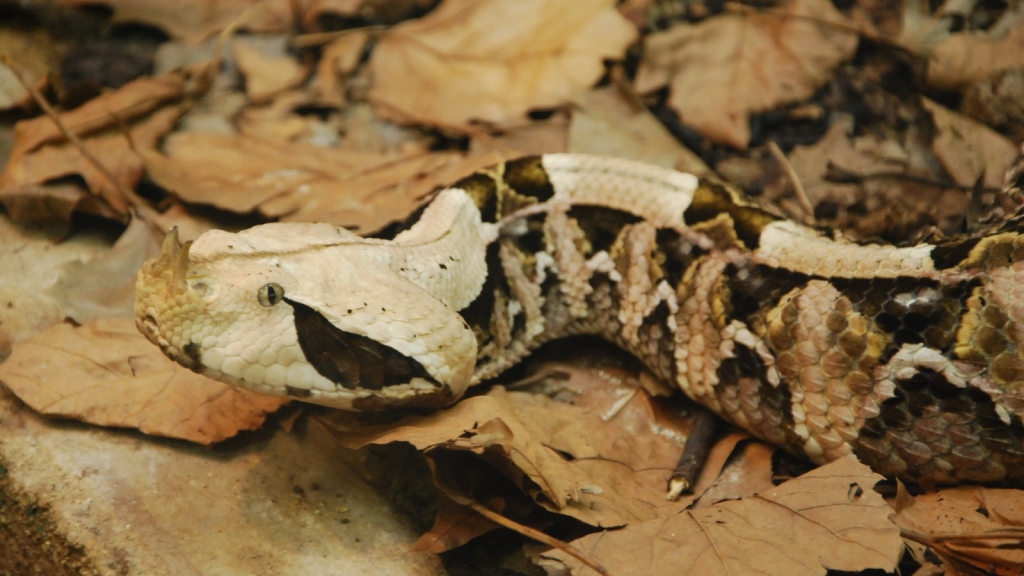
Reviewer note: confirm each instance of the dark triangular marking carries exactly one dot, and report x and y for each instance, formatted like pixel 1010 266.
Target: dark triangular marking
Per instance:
pixel 350 360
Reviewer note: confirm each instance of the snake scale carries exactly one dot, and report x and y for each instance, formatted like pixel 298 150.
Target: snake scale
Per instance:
pixel 911 358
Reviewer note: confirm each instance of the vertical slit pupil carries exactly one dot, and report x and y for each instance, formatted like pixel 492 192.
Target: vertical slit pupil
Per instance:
pixel 271 294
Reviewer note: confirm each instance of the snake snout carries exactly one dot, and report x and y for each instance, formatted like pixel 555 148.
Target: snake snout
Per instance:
pixel 148 325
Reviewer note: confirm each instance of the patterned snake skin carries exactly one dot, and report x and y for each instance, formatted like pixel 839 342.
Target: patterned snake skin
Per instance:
pixel 912 357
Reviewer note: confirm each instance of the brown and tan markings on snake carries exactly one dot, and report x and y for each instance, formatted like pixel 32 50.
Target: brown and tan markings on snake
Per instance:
pixel 911 358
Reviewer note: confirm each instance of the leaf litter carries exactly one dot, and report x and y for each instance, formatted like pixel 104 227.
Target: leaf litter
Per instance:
pixel 724 69
pixel 829 518
pixel 360 132
pixel 106 373
pixel 468 63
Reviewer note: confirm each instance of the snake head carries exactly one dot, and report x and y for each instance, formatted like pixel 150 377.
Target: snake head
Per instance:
pixel 308 311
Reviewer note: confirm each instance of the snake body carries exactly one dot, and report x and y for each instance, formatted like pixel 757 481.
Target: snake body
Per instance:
pixel 911 358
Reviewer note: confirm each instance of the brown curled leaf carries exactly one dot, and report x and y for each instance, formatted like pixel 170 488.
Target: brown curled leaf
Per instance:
pixel 363 191
pixel 454 525
pixel 829 518
pixel 106 373
pixel 969 527
pixel 113 128
pixel 722 70
pixel 604 460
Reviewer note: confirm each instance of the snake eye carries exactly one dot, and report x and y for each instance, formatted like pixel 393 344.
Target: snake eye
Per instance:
pixel 271 294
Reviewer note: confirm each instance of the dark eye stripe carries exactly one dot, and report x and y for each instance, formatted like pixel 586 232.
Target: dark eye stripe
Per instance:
pixel 350 360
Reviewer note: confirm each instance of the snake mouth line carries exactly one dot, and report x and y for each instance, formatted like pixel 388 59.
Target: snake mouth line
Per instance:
pixel 188 356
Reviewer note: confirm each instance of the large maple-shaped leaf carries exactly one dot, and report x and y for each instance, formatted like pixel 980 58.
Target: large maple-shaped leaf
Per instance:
pixel 829 518
pixel 728 67
pixel 603 460
pixel 494 60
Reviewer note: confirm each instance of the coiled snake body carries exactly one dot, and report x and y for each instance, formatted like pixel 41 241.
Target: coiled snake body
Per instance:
pixel 912 358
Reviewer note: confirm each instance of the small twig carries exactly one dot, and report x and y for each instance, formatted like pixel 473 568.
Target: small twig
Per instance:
pixel 695 454
pixel 838 175
pixel 320 38
pixel 798 187
pixel 124 198
pixel 1008 533
pixel 538 536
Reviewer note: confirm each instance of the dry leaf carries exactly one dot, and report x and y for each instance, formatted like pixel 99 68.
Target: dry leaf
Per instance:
pixel 980 527
pixel 748 471
pixel 112 127
pixel 112 109
pixel 299 182
pixel 108 374
pixel 365 132
pixel 278 120
pixel 610 123
pixel 476 424
pixel 867 154
pixel 887 205
pixel 921 31
pixel 827 519
pixel 996 101
pixel 34 53
pixel 730 66
pixel 382 194
pixel 267 67
pixel 52 203
pixel 196 20
pixel 240 173
pixel 117 152
pixel 494 60
pixel 338 60
pixel 105 286
pixel 967 58
pixel 190 226
pixel 549 136
pixel 343 54
pixel 454 525
pixel 606 463
pixel 603 458
pixel 967 147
